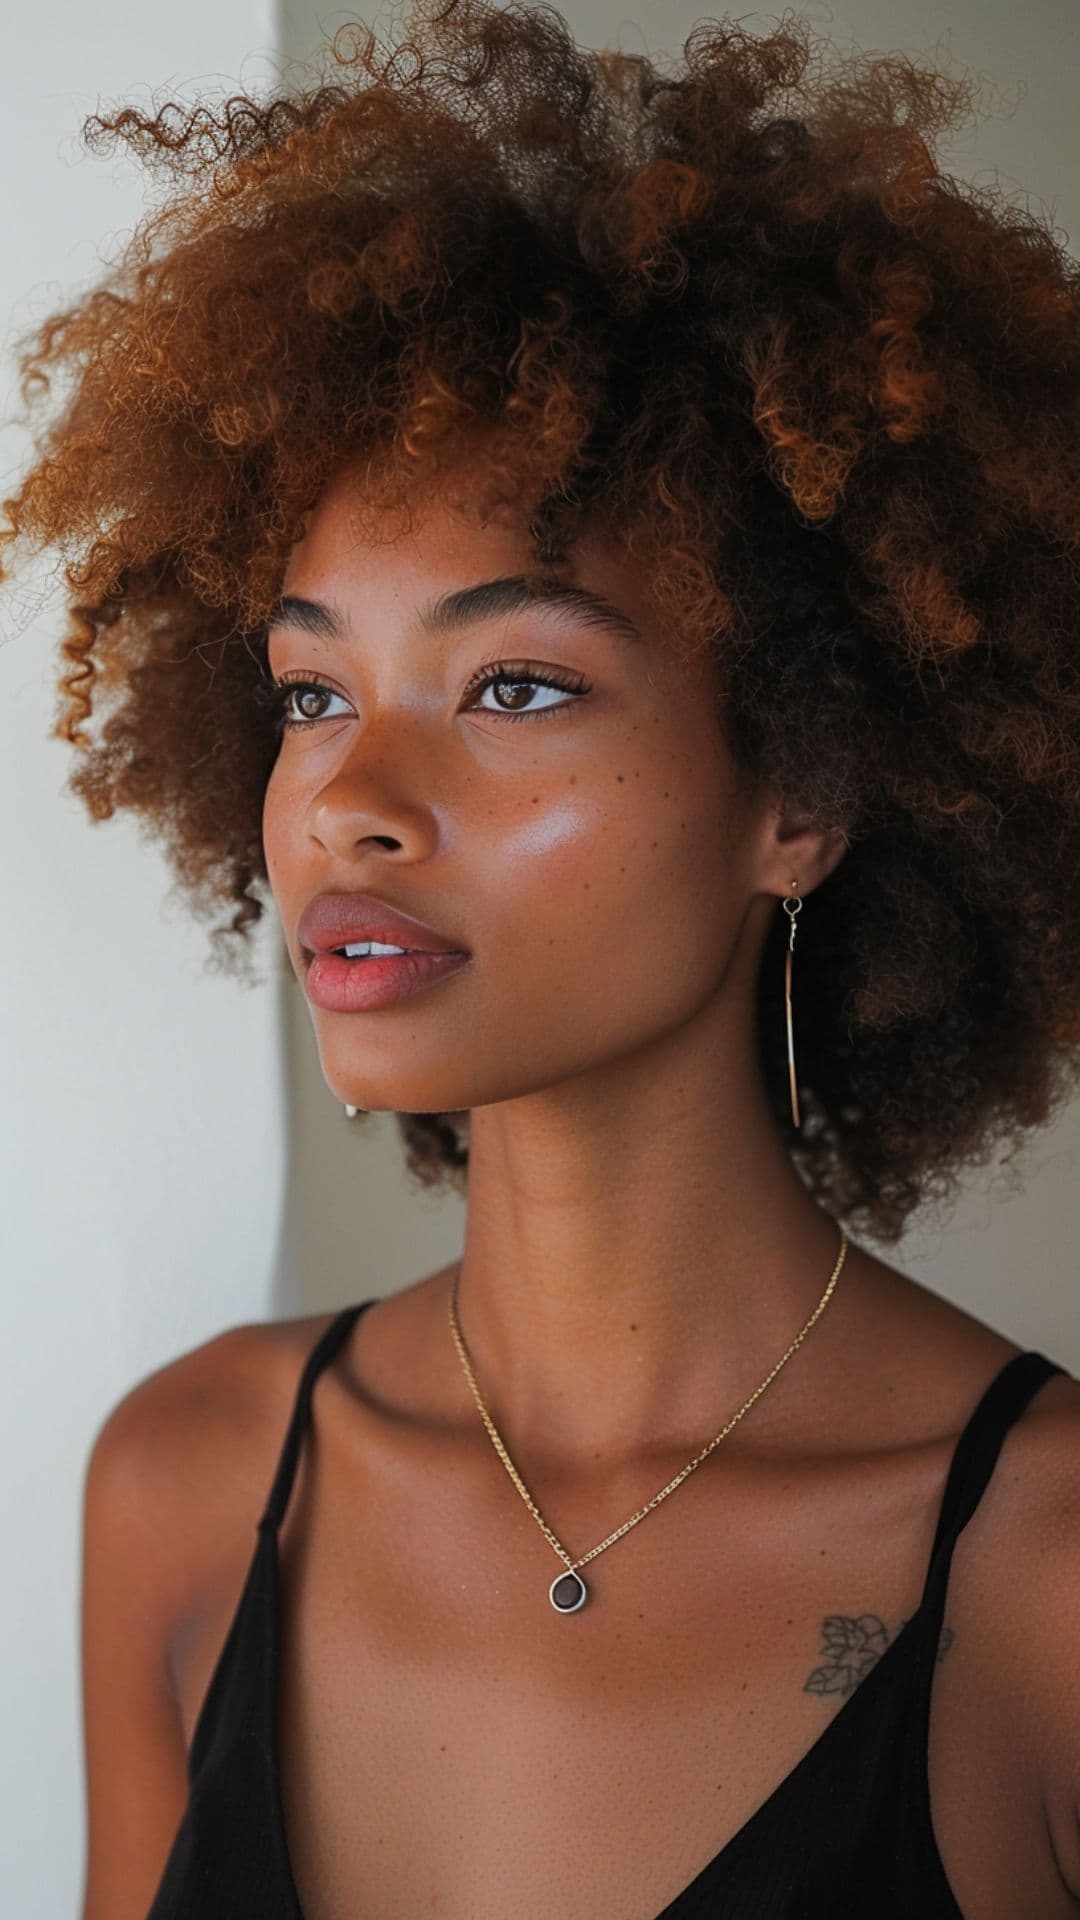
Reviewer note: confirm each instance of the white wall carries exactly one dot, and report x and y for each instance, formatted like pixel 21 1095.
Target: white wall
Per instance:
pixel 141 1111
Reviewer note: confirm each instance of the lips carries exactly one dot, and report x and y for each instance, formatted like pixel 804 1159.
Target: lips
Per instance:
pixel 341 919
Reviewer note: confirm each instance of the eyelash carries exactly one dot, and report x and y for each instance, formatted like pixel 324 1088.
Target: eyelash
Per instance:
pixel 274 694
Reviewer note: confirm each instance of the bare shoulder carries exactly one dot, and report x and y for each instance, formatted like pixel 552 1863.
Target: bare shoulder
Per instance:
pixel 1028 1528
pixel 1024 1627
pixel 925 1364
pixel 188 1452
pixel 174 1480
pixel 221 1382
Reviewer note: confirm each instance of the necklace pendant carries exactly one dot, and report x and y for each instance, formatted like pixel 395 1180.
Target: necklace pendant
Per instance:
pixel 568 1592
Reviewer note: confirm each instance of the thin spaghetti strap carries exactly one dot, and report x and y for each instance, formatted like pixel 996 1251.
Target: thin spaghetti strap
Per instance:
pixel 320 1356
pixel 975 1456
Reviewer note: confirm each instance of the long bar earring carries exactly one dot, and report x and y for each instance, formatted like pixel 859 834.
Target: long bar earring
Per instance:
pixel 791 911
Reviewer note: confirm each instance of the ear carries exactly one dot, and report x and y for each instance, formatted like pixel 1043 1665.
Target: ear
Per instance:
pixel 802 853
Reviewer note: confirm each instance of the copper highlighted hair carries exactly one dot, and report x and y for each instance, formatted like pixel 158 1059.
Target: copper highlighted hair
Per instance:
pixel 731 302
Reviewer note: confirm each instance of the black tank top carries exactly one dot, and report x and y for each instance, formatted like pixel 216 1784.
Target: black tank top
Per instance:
pixel 847 1832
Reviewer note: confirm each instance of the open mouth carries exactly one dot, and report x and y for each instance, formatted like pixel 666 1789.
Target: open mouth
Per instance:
pixel 329 982
pixel 397 953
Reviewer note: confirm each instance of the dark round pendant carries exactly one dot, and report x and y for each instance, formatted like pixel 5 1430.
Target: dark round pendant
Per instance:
pixel 568 1592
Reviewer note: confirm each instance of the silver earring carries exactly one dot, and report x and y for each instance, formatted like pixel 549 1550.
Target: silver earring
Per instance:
pixel 351 1112
pixel 792 906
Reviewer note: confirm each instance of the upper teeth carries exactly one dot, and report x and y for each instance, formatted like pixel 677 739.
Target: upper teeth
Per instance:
pixel 370 946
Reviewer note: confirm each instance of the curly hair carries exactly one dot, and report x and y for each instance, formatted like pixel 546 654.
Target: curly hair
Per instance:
pixel 732 304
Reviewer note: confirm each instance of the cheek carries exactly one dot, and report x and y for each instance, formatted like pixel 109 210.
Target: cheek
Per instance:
pixel 570 828
pixel 276 816
pixel 619 898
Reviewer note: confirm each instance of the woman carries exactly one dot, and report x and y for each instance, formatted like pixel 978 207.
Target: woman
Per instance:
pixel 616 531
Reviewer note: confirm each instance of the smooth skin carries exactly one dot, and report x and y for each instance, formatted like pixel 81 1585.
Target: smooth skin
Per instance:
pixel 638 1255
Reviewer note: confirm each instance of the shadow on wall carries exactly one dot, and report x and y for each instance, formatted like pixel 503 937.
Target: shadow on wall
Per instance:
pixel 353 1223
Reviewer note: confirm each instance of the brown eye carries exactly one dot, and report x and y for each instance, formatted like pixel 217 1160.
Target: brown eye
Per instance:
pixel 281 693
pixel 520 678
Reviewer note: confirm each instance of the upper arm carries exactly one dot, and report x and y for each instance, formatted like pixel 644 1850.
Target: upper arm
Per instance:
pixel 133 1745
pixel 141 1561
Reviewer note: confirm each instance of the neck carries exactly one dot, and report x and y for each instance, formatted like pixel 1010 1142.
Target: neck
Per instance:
pixel 637 1258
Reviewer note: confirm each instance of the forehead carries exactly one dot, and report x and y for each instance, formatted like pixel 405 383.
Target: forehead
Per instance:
pixel 439 540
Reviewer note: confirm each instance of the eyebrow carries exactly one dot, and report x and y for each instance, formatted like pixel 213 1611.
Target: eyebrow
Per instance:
pixel 465 606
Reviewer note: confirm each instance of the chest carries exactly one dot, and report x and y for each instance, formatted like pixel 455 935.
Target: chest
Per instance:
pixel 492 1772
pixel 449 1744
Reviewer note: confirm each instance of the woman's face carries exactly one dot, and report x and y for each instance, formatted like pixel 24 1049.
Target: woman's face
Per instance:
pixel 586 843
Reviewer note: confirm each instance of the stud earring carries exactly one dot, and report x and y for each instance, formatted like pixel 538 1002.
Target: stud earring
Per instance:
pixel 351 1112
pixel 792 906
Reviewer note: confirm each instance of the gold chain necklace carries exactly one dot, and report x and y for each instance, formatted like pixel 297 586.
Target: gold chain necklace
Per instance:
pixel 568 1591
